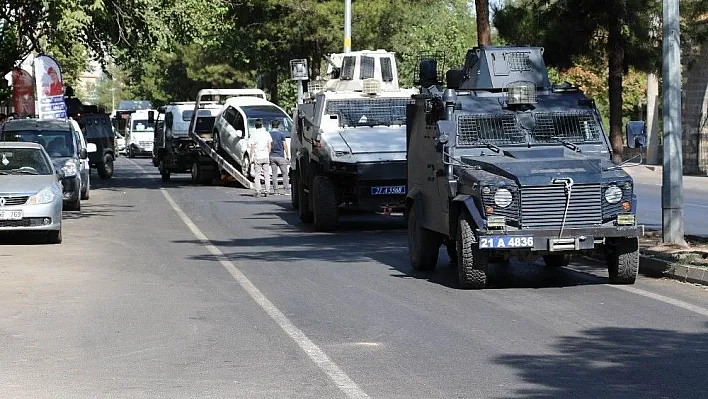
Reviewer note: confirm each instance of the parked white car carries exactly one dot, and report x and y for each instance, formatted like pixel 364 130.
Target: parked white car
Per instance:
pixel 236 122
pixel 85 166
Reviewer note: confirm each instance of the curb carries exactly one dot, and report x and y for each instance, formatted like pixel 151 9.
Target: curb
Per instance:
pixel 654 267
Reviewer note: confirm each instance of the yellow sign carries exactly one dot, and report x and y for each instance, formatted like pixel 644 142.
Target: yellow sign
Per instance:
pixel 348 42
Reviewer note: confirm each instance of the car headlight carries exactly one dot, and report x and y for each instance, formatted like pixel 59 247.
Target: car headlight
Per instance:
pixel 69 169
pixel 43 196
pixel 503 198
pixel 613 194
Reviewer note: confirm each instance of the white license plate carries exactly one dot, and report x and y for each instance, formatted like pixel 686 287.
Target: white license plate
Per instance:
pixel 388 190
pixel 11 215
pixel 495 242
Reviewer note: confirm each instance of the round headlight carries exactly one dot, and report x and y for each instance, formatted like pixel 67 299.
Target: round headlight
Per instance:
pixel 502 198
pixel 613 194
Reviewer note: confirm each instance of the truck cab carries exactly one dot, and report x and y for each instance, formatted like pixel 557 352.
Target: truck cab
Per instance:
pixel 502 163
pixel 140 127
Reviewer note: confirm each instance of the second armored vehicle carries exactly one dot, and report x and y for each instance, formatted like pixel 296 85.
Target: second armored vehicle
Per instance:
pixel 502 163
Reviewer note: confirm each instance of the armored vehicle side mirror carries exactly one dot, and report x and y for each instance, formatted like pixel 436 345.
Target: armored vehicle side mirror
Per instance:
pixel 454 78
pixel 444 134
pixel 83 154
pixel 151 117
pixel 240 133
pixel 91 148
pixel 636 134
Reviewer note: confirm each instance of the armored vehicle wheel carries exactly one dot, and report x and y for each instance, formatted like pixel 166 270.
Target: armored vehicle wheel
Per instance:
pixel 105 168
pixel 304 209
pixel 164 172
pixel 473 264
pixel 423 244
pixel 324 196
pixel 622 260
pixel 295 191
pixel 557 260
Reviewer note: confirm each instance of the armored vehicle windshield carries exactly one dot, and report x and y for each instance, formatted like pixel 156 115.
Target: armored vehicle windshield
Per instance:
pixel 355 112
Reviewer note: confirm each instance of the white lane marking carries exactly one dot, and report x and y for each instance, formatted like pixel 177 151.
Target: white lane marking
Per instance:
pixel 662 298
pixel 700 206
pixel 317 355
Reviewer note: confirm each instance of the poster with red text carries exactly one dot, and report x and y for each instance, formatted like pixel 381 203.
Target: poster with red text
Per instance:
pixel 50 88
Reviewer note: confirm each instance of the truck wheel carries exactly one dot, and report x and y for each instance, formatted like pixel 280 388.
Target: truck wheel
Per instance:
pixel 304 209
pixel 131 153
pixel 105 168
pixel 557 260
pixel 623 260
pixel 423 244
pixel 164 172
pixel 295 191
pixel 200 175
pixel 325 204
pixel 473 264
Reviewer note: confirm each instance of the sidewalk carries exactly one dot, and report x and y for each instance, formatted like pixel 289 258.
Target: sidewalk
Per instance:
pixel 653 174
pixel 683 264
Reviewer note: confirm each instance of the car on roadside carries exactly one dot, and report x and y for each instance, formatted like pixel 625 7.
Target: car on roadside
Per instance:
pixel 61 141
pixel 30 190
pixel 120 143
pixel 85 169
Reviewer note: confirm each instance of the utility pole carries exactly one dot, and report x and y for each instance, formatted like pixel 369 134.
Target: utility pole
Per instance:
pixel 347 26
pixel 672 185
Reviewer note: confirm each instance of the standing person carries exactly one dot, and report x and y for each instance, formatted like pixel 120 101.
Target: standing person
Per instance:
pixel 261 144
pixel 279 158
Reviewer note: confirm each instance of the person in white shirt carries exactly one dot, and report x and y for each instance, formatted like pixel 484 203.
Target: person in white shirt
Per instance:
pixel 261 144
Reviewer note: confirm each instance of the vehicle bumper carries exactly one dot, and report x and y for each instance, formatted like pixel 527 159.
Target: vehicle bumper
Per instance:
pixel 573 239
pixel 71 188
pixel 34 218
pixel 371 176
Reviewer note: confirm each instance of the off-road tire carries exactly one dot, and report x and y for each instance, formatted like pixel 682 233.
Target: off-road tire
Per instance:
pixel 423 244
pixel 324 204
pixel 131 153
pixel 54 237
pixel 557 260
pixel 295 191
pixel 622 260
pixel 472 263
pixel 164 172
pixel 74 205
pixel 306 215
pixel 105 168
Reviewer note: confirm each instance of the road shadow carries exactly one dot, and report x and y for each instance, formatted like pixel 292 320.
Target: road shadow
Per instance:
pixel 23 238
pixel 95 210
pixel 616 363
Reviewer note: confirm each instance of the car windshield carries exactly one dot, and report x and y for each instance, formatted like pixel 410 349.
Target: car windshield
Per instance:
pixel 58 144
pixel 267 113
pixel 30 161
pixel 369 111
pixel 142 125
pixel 205 124
pixel 578 127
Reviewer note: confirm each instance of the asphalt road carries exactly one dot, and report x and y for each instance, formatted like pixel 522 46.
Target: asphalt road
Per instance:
pixel 180 291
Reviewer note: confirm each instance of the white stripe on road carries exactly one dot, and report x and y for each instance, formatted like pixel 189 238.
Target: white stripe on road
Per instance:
pixel 665 299
pixel 700 206
pixel 317 355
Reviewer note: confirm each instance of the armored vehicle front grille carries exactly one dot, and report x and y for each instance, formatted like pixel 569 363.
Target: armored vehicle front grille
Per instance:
pixel 543 206
pixel 499 129
pixel 511 212
pixel 575 126
pixel 16 200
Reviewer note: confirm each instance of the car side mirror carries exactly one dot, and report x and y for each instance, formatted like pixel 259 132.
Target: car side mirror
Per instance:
pixel 636 134
pixel 151 117
pixel 83 154
pixel 91 148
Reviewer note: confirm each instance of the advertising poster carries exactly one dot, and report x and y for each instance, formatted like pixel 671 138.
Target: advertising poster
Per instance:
pixel 50 88
pixel 23 92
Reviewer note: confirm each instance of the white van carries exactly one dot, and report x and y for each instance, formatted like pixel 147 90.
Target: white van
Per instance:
pixel 139 132
pixel 236 122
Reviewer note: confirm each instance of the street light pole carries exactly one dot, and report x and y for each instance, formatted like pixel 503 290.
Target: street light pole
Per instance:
pixel 347 26
pixel 672 184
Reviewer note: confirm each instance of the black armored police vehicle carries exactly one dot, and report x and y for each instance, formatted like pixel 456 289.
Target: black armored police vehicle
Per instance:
pixel 502 163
